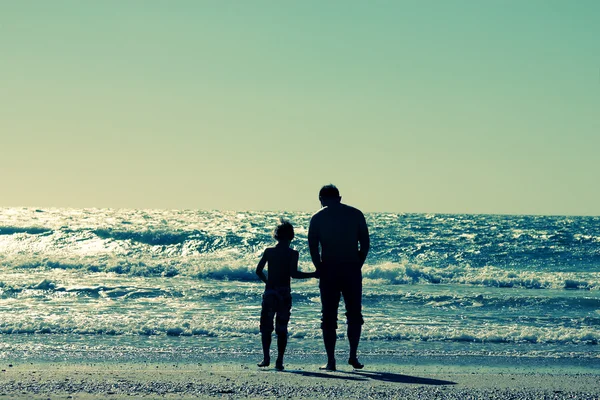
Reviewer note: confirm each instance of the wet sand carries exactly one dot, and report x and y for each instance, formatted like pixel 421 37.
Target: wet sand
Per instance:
pixel 233 380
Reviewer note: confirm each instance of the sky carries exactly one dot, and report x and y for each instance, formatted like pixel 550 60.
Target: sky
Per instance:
pixel 407 106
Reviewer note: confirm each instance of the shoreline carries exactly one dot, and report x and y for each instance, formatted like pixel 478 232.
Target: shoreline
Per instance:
pixel 241 378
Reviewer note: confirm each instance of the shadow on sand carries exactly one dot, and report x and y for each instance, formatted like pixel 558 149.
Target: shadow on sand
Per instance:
pixel 373 375
pixel 399 378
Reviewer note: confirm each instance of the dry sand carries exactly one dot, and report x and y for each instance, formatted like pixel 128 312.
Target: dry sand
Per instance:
pixel 233 380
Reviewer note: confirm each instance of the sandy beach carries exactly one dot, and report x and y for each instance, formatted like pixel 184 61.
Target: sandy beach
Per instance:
pixel 234 379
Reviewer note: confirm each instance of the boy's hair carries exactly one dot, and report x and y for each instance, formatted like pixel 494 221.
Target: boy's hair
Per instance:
pixel 284 231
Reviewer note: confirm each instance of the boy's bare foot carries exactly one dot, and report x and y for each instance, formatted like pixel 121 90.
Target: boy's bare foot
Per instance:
pixel 330 366
pixel 279 365
pixel 355 363
pixel 264 363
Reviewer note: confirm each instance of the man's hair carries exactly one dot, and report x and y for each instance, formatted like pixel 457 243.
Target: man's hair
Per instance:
pixel 284 231
pixel 329 192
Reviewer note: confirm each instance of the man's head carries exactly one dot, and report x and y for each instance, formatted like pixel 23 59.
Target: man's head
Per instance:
pixel 329 195
pixel 284 232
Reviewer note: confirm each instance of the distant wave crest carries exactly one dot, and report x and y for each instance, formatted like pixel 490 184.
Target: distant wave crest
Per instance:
pixel 30 230
pixel 150 237
pixel 113 292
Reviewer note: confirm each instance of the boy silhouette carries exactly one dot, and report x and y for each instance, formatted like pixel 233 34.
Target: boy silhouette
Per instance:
pixel 282 262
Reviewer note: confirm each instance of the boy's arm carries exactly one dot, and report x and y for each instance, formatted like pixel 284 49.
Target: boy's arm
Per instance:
pixel 261 266
pixel 294 273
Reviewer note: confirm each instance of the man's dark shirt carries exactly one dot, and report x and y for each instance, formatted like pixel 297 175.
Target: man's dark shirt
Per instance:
pixel 338 229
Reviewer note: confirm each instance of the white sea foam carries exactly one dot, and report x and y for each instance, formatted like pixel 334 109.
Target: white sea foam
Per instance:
pixel 128 322
pixel 230 265
pixel 407 273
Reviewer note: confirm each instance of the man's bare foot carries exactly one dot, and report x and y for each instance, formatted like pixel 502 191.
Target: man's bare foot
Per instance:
pixel 330 366
pixel 279 365
pixel 264 363
pixel 355 363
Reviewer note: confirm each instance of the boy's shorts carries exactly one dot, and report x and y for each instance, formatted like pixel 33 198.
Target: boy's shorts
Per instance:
pixel 276 304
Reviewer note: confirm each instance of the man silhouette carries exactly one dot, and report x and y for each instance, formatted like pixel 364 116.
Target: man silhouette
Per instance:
pixel 339 229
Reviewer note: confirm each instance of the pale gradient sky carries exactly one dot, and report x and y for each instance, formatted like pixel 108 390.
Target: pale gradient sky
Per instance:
pixel 408 106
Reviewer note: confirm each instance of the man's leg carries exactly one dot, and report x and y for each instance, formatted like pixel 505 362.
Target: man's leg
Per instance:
pixel 352 292
pixel 330 300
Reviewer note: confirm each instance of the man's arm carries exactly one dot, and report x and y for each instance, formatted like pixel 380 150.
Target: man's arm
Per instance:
pixel 261 266
pixel 363 239
pixel 294 273
pixel 313 244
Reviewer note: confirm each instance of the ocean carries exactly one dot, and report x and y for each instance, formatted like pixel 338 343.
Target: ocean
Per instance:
pixel 152 285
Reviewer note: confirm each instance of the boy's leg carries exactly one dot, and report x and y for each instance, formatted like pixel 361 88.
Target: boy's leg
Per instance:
pixel 266 346
pixel 281 345
pixel 281 328
pixel 266 329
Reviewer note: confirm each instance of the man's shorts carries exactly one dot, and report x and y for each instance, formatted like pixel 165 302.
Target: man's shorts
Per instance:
pixel 276 304
pixel 335 285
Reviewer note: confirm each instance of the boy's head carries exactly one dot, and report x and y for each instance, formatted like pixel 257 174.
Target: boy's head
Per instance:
pixel 284 231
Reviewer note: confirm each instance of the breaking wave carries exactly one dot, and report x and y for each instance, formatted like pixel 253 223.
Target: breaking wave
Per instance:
pixel 405 273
